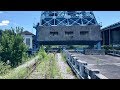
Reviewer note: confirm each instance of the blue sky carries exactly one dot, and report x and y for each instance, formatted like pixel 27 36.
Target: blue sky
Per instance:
pixel 27 18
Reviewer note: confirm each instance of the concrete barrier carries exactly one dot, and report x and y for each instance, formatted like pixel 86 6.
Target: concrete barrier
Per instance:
pixel 81 68
pixel 114 52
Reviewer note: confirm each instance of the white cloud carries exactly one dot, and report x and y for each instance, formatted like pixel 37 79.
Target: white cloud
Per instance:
pixel 4 23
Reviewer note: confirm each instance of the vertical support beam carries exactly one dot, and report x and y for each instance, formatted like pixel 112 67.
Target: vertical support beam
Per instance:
pixel 99 45
pixel 103 38
pixel 36 37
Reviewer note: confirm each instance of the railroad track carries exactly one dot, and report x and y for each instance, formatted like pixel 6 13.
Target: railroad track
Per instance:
pixel 32 68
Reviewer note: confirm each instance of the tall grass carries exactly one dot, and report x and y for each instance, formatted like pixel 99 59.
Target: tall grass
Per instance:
pixel 48 68
pixel 4 68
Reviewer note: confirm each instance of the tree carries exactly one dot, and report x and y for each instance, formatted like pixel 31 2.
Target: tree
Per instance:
pixel 12 47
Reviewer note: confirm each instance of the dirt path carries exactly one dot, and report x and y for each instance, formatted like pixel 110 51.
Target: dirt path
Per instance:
pixel 65 70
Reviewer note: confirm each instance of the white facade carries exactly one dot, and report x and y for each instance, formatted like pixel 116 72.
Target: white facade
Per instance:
pixel 28 40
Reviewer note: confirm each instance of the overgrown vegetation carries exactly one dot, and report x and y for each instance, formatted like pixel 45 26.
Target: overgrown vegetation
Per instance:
pixel 69 70
pixel 54 71
pixel 48 69
pixel 12 48
pixel 23 70
pixel 107 47
pixel 16 73
pixel 42 53
pixel 63 56
pixel 4 68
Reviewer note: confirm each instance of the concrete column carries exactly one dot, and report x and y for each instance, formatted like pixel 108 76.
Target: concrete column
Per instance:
pixel 103 38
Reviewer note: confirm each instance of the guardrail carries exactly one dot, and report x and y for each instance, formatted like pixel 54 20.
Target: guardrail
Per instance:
pixel 114 52
pixel 81 68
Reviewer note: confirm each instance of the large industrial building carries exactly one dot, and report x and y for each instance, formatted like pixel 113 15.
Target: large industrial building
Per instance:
pixel 68 27
pixel 111 34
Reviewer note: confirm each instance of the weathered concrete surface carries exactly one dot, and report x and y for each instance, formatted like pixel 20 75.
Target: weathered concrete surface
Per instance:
pixel 93 33
pixel 94 52
pixel 111 71
pixel 107 65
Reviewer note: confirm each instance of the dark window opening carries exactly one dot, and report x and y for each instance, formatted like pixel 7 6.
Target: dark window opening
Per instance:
pixel 68 33
pixel 84 32
pixel 53 33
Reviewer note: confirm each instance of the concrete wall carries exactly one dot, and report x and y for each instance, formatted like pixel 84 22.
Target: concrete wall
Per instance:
pixel 43 33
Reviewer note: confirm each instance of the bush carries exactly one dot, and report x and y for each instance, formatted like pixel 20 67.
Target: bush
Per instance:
pixel 42 52
pixel 107 47
pixel 12 47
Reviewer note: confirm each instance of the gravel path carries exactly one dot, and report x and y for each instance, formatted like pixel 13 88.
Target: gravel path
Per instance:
pixel 65 70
